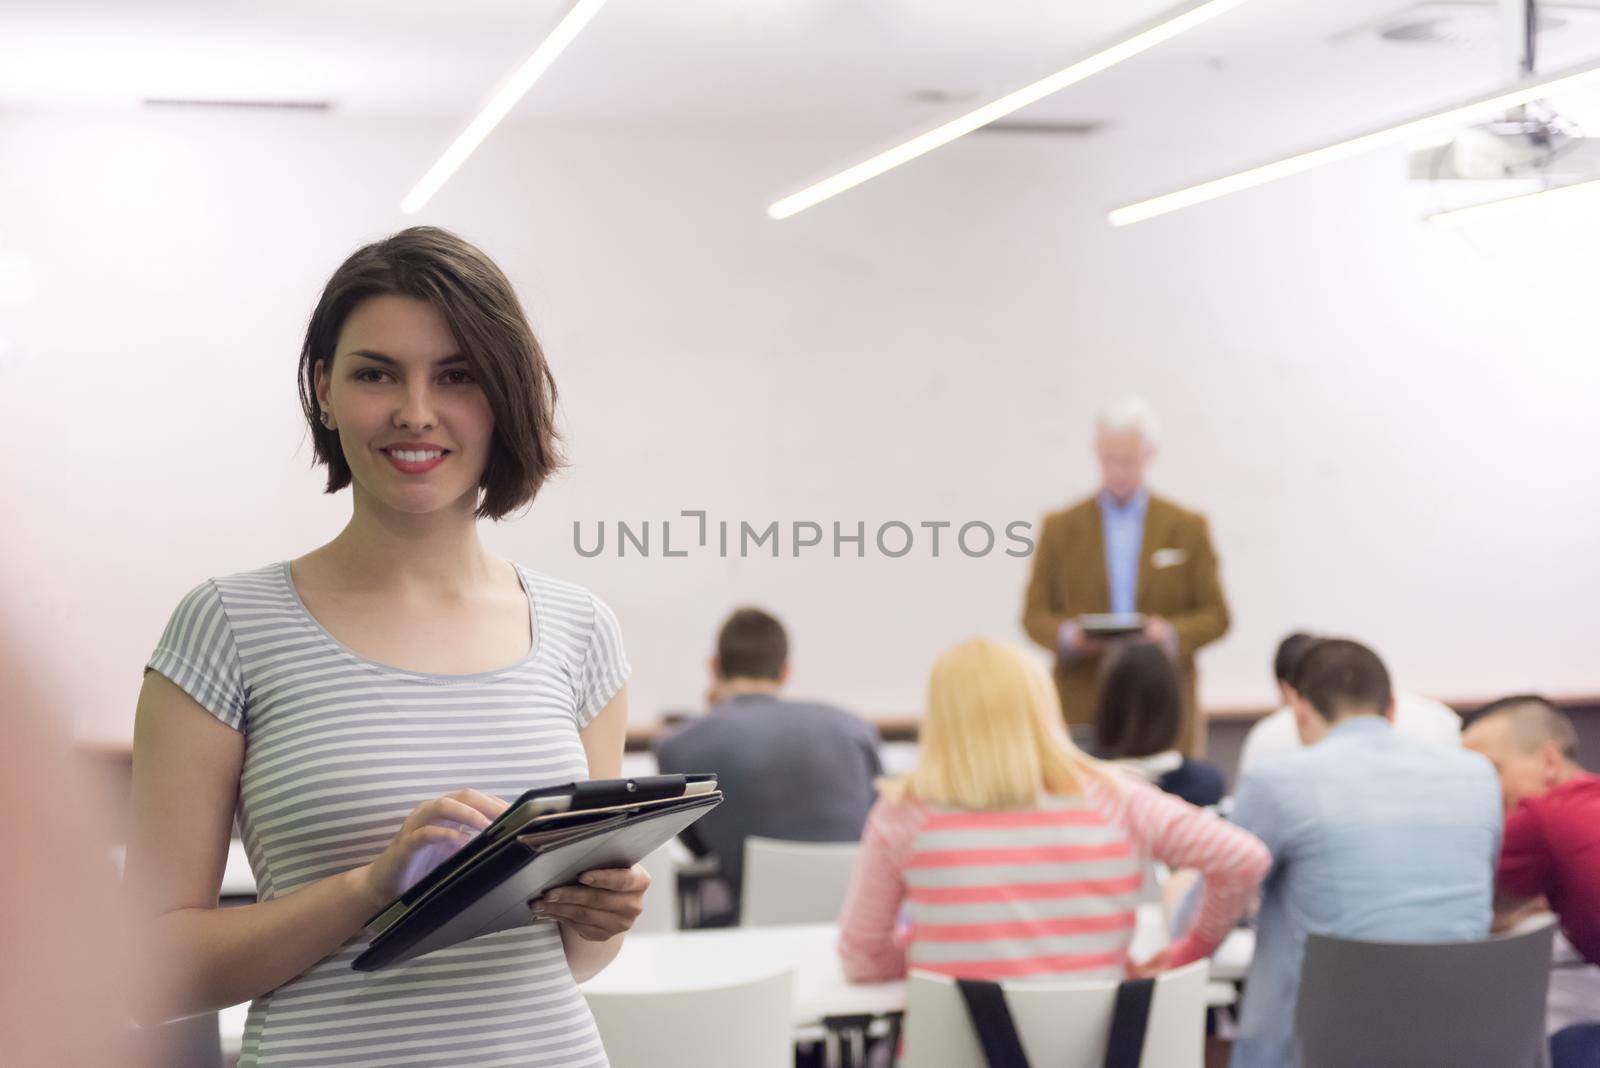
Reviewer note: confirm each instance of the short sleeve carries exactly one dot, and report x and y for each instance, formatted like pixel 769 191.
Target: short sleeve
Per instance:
pixel 198 654
pixel 605 665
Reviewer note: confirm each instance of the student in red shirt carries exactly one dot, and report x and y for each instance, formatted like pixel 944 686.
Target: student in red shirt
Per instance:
pixel 1551 846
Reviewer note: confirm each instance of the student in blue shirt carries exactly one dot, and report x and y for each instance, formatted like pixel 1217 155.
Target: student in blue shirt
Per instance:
pixel 1372 837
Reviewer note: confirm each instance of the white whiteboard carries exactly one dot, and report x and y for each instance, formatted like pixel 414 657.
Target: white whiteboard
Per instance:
pixel 1393 436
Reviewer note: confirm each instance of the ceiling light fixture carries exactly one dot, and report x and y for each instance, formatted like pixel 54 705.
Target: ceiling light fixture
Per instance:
pixel 1162 29
pixel 500 104
pixel 1427 125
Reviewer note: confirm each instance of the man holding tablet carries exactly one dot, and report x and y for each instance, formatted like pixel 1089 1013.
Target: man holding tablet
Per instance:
pixel 1121 565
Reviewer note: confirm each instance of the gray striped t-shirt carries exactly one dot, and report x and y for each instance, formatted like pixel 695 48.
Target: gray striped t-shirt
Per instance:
pixel 338 750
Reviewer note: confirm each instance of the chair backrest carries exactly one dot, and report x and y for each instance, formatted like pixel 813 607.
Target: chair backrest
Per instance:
pixel 1406 1003
pixel 745 1025
pixel 1061 1023
pixel 661 899
pixel 794 882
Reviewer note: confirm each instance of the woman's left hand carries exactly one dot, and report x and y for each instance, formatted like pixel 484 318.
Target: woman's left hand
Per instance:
pixel 602 906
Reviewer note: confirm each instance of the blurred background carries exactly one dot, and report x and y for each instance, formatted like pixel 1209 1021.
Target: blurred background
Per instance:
pixel 1389 422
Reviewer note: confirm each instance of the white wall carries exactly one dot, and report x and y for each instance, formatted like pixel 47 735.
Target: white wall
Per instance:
pixel 1391 430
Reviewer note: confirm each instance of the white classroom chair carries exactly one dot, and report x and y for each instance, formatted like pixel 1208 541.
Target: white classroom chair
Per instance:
pixel 744 1025
pixel 794 882
pixel 661 899
pixel 1061 1023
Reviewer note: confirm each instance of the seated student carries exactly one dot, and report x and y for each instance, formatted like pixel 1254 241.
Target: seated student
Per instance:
pixel 1551 847
pixel 1137 721
pixel 789 769
pixel 1415 716
pixel 1014 854
pixel 1373 836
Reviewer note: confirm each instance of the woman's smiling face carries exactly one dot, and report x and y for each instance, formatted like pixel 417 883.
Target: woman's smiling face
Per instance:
pixel 414 424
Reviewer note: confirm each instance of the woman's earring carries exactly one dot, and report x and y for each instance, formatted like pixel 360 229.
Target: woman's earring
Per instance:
pixel 325 417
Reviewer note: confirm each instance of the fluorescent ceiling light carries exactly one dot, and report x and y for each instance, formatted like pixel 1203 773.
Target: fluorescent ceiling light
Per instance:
pixel 1164 29
pixel 1507 207
pixel 500 104
pixel 1433 123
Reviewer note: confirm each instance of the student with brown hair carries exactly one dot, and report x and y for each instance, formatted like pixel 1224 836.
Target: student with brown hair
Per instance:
pixel 1373 836
pixel 1138 720
pixel 363 709
pixel 1416 717
pixel 794 770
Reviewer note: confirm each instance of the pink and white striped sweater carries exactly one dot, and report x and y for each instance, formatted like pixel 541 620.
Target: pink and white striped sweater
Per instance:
pixel 1047 892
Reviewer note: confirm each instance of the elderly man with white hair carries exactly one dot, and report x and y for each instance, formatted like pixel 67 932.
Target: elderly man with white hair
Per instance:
pixel 1124 551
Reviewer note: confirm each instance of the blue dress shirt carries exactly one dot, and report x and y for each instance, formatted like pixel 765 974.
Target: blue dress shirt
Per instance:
pixel 1372 836
pixel 1123 528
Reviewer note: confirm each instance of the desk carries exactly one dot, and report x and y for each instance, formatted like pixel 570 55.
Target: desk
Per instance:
pixel 716 956
pixel 723 955
pixel 720 956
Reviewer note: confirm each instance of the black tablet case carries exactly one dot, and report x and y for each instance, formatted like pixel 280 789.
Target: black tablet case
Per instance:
pixel 482 890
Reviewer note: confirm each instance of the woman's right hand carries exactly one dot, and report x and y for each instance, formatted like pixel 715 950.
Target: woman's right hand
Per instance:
pixel 434 830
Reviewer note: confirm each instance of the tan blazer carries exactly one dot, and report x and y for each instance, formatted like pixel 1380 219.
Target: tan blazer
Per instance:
pixel 1177 579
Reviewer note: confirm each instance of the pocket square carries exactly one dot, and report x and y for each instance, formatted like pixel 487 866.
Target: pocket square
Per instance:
pixel 1168 557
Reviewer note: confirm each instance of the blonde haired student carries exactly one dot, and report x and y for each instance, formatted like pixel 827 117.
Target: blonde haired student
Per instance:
pixel 1014 854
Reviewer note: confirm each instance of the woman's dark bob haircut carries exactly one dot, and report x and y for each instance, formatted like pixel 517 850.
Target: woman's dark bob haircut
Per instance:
pixel 483 313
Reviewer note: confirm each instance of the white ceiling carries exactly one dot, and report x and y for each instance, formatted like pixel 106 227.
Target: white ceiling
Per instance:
pixel 1270 73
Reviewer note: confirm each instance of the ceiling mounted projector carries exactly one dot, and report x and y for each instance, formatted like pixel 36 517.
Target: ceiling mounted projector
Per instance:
pixel 1506 149
pixel 1538 143
pixel 1510 135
